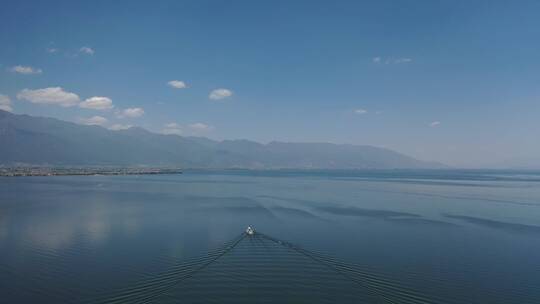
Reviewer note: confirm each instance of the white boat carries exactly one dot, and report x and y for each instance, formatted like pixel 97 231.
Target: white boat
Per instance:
pixel 250 231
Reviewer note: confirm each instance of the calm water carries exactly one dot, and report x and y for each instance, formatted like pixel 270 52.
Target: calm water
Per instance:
pixel 445 236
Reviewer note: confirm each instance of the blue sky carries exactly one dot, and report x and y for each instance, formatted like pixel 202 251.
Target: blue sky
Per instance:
pixel 451 81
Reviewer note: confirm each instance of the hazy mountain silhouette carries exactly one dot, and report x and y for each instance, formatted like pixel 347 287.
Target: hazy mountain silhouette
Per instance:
pixel 37 140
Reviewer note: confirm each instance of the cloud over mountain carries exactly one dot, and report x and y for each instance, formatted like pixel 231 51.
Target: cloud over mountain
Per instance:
pixel 130 113
pixel 49 96
pixel 97 103
pixel 5 103
pixel 95 120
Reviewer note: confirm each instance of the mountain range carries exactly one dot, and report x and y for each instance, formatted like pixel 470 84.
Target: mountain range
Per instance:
pixel 33 140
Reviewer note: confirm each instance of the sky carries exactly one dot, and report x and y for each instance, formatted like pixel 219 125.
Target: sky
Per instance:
pixel 450 81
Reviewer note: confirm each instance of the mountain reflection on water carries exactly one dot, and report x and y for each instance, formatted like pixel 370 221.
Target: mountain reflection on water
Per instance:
pixel 415 237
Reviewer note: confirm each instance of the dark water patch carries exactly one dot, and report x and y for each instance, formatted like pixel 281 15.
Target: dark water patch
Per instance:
pixel 221 200
pixel 220 182
pixel 355 211
pixel 258 211
pixel 233 206
pixel 287 199
pixel 471 198
pixel 428 174
pixel 294 212
pixel 78 195
pixel 422 221
pixel 509 227
pixel 228 205
pixel 420 194
pixel 455 197
pixel 450 183
pixel 188 179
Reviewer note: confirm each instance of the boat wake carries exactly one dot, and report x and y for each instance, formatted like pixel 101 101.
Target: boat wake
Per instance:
pixel 255 267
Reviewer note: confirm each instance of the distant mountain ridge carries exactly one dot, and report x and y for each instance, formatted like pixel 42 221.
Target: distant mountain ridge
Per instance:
pixel 47 141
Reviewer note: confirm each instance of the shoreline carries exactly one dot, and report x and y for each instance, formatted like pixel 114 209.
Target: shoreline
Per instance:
pixel 51 171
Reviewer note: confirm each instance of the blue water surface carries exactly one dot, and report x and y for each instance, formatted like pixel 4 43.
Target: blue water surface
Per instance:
pixel 451 236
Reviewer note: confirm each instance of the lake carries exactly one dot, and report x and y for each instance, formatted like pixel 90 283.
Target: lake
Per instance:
pixel 434 236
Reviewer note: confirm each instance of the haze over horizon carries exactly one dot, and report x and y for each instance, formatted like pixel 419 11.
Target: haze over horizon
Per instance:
pixel 454 82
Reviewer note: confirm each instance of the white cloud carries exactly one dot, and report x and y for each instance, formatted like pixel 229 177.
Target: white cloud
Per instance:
pixel 95 120
pixel 391 60
pixel 177 84
pixel 130 113
pixel 402 60
pixel 220 94
pixel 5 103
pixel 97 103
pixel 26 70
pixel 200 127
pixel 51 96
pixel 360 111
pixel 172 128
pixel 52 50
pixel 117 127
pixel 435 123
pixel 87 50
